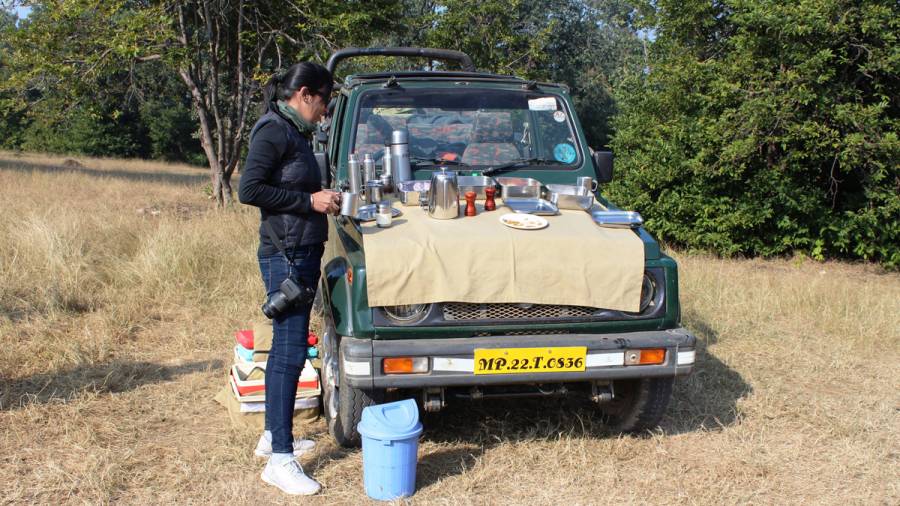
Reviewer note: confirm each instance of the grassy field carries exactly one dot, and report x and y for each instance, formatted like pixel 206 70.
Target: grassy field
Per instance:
pixel 122 287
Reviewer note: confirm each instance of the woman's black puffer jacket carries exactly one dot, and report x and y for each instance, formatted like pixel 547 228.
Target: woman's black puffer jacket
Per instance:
pixel 279 176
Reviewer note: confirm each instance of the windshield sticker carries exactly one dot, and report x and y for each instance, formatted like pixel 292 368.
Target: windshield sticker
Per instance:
pixel 565 153
pixel 559 116
pixel 542 104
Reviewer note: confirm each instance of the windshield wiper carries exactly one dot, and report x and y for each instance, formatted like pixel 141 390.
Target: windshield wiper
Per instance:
pixel 418 161
pixel 516 164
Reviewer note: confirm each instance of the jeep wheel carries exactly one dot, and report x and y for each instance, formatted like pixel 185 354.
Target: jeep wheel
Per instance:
pixel 342 404
pixel 638 404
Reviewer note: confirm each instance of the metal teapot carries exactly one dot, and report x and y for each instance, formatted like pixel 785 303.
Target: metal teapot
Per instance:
pixel 443 196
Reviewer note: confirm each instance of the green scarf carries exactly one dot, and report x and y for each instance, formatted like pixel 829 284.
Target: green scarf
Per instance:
pixel 305 127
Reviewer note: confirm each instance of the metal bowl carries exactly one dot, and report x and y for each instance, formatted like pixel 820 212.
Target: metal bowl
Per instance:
pixel 410 192
pixel 475 184
pixel 569 197
pixel 519 187
pixel 531 206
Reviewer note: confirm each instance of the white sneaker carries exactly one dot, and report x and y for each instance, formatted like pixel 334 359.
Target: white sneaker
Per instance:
pixel 289 477
pixel 264 446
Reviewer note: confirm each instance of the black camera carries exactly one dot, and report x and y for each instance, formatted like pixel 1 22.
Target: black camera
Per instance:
pixel 290 293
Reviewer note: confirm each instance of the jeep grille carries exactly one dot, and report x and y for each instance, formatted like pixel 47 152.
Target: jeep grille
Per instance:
pixel 523 333
pixel 463 311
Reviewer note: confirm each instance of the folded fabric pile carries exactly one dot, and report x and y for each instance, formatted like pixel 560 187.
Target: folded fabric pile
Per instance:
pixel 245 394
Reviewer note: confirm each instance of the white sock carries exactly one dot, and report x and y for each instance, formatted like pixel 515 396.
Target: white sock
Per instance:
pixel 279 458
pixel 268 435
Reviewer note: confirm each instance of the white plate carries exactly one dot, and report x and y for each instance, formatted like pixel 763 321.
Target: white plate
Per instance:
pixel 523 221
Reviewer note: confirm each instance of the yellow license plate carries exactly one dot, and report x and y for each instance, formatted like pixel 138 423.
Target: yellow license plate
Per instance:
pixel 526 360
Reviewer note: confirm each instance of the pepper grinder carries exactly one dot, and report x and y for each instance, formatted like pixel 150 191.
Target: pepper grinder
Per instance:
pixel 470 203
pixel 489 204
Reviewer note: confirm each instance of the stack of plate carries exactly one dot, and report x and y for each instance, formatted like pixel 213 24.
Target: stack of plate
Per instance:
pixel 247 378
pixel 248 382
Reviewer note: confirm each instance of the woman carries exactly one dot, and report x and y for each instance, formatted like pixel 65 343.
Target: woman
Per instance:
pixel 282 178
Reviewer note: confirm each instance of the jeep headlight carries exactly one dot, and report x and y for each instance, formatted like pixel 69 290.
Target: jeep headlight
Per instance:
pixel 648 291
pixel 407 314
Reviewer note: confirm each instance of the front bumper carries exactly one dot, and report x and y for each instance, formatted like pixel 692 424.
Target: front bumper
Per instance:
pixel 451 361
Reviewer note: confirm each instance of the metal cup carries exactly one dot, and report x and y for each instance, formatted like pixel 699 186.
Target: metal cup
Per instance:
pixel 387 183
pixel 374 192
pixel 585 185
pixel 349 204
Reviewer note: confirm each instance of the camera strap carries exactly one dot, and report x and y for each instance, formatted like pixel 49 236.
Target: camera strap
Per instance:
pixel 280 244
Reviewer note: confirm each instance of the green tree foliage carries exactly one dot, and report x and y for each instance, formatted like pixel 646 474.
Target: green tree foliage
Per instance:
pixel 590 45
pixel 94 129
pixel 170 129
pixel 114 118
pixel 581 44
pixel 221 50
pixel 764 128
pixel 500 35
pixel 12 114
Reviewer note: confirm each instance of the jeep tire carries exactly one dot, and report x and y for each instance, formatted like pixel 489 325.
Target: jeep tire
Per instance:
pixel 638 405
pixel 351 402
pixel 341 403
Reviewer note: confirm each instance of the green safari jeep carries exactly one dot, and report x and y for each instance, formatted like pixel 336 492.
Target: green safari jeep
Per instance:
pixel 629 360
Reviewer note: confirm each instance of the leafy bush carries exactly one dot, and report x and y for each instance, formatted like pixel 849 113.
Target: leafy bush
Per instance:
pixel 765 128
pixel 86 130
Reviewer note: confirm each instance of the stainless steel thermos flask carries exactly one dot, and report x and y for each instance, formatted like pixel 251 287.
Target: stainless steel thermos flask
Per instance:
pixel 369 168
pixel 387 162
pixel 400 156
pixel 354 175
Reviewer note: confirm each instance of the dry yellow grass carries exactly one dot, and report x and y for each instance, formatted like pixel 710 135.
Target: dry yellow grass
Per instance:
pixel 122 286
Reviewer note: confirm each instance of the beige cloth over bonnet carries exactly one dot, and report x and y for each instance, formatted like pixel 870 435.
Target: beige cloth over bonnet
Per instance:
pixel 479 260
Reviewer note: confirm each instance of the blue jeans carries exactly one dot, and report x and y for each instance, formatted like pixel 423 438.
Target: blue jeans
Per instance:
pixel 288 353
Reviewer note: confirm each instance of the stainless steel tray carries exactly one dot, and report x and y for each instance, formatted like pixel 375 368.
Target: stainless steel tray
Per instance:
pixel 367 213
pixel 519 187
pixel 475 184
pixel 531 206
pixel 569 197
pixel 617 219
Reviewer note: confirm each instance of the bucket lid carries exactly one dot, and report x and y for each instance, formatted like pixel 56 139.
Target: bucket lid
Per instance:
pixel 391 421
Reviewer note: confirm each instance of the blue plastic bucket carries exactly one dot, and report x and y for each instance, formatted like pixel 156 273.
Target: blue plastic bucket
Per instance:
pixel 390 439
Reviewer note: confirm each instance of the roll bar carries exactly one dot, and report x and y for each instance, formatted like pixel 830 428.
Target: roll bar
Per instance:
pixel 425 52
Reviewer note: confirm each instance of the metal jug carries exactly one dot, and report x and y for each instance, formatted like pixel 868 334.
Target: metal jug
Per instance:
pixel 443 196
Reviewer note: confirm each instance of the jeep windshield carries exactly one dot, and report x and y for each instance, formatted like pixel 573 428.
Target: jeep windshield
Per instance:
pixel 470 127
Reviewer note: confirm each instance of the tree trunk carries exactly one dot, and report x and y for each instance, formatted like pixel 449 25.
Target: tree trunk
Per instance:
pixel 211 145
pixel 221 104
pixel 227 192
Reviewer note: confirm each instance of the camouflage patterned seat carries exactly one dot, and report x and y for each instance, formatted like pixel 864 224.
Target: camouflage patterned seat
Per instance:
pixel 443 127
pixel 371 135
pixel 443 133
pixel 492 140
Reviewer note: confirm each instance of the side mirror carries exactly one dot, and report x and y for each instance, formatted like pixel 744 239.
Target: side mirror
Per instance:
pixel 603 164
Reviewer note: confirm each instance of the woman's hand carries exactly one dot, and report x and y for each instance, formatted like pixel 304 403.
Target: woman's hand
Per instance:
pixel 326 202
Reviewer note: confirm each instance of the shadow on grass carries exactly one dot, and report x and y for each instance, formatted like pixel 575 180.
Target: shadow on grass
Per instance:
pixel 707 399
pixel 155 177
pixel 704 401
pixel 433 467
pixel 113 377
